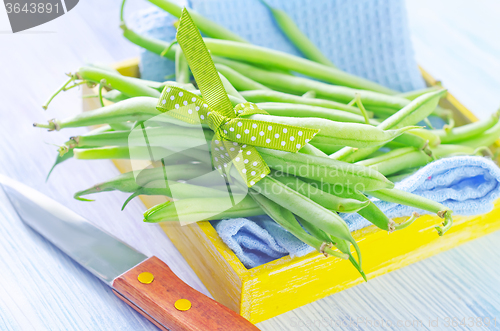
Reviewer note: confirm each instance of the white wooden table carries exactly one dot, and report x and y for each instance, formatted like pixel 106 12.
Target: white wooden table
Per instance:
pixel 42 289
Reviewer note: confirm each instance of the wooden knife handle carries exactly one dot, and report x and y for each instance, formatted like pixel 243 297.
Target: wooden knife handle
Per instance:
pixel 156 301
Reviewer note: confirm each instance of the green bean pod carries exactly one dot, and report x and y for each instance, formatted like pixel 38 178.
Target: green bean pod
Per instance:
pixel 397 160
pixel 305 208
pixel 297 37
pixel 127 85
pixel 259 96
pixel 192 210
pixel 240 82
pixel 321 168
pixel 287 220
pixel 371 212
pixel 432 139
pixel 411 140
pixel 327 200
pixel 338 133
pixel 59 159
pixel 413 113
pixel 300 110
pixel 413 200
pixel 326 148
pixel 448 150
pixel 143 153
pixel 468 131
pixel 487 138
pixel 132 182
pixel 134 109
pixel 412 95
pixel 115 96
pixel 300 85
pixel 311 150
pixel 182 72
pixel 168 137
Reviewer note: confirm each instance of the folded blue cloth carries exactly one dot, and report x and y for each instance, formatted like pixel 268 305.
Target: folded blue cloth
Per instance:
pixel 258 240
pixel 368 38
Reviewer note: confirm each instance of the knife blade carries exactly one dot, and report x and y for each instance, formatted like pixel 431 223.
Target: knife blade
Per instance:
pixel 146 284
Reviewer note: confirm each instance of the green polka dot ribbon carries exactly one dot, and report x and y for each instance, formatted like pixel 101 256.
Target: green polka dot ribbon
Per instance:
pixel 235 135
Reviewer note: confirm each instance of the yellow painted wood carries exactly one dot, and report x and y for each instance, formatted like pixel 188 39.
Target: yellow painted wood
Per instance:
pixel 287 283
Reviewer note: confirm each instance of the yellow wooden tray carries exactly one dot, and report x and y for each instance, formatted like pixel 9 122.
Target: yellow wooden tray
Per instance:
pixel 287 283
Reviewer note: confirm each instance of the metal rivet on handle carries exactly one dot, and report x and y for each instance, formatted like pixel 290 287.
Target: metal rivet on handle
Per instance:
pixel 146 277
pixel 182 304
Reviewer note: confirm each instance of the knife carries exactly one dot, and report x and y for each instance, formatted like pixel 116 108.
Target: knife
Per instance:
pixel 146 284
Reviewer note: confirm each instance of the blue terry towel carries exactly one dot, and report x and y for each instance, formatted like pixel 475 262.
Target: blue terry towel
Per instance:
pixel 368 38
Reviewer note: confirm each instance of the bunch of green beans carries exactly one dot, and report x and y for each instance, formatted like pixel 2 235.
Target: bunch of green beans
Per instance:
pixel 367 133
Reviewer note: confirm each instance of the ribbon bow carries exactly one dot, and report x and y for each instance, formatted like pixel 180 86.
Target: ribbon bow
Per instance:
pixel 235 134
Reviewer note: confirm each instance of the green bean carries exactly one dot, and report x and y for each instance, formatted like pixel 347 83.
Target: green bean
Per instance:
pixel 134 109
pixel 338 133
pixel 413 200
pixel 59 159
pixel 230 90
pixel 182 191
pixel 411 114
pixel 300 110
pixel 115 96
pixel 182 73
pixel 412 95
pixel 415 111
pixel 153 45
pixel 126 85
pixel 240 82
pixel 487 138
pixel 326 148
pixel 382 111
pixel 411 140
pixel 261 55
pixel 309 95
pixel 327 200
pixel 133 181
pixel 297 37
pixel 371 212
pixel 321 168
pixel 170 137
pixel 397 160
pixel 258 96
pixel 206 26
pixel 311 150
pixel 467 131
pixel 193 210
pixel 409 157
pixel 141 153
pixel 342 245
pixel 123 126
pixel 452 150
pixel 433 140
pixel 279 81
pixel 66 151
pixel 287 220
pixel 305 208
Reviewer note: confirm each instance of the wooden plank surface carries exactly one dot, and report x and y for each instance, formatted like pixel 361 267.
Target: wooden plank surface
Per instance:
pixel 42 289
